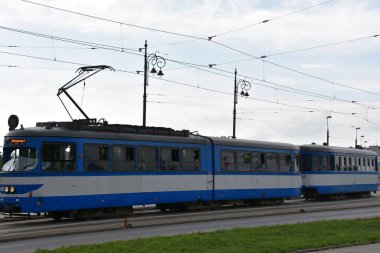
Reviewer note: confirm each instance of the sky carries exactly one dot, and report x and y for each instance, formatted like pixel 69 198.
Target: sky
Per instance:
pixel 322 59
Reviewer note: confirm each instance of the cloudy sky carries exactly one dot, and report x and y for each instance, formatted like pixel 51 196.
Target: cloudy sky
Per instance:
pixel 323 59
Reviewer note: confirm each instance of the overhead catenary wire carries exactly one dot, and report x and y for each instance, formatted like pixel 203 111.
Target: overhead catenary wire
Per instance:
pixel 210 39
pixel 293 70
pixel 300 50
pixel 197 66
pixel 199 87
pixel 115 21
pixel 270 19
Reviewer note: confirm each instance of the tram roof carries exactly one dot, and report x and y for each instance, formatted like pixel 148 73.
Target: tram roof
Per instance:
pixel 332 149
pixel 251 143
pixel 57 131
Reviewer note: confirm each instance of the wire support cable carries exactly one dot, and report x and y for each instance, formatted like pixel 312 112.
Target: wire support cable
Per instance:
pixel 115 21
pixel 270 19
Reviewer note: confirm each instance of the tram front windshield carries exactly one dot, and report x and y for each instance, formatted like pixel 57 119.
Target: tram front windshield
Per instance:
pixel 19 159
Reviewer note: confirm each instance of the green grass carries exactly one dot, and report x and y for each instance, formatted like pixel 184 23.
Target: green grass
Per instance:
pixel 282 238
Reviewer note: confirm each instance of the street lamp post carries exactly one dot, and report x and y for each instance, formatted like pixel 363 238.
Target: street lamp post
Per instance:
pixel 356 136
pixel 245 87
pixel 328 133
pixel 154 60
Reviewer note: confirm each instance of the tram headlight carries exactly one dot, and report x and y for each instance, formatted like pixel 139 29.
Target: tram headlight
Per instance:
pixel 12 189
pixel 6 189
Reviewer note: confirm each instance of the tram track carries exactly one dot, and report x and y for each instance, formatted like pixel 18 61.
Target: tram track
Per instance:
pixel 38 227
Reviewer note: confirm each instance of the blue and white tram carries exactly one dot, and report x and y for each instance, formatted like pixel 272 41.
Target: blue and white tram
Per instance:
pixel 255 170
pixel 337 172
pixel 70 169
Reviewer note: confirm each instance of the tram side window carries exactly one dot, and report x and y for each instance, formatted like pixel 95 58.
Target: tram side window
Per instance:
pixel 317 162
pixel 373 167
pixel 367 167
pixel 96 157
pixel 325 163
pixel 272 162
pixel 354 164
pixel 339 166
pixel 359 163
pixel 285 161
pixel 190 159
pixel 331 162
pixel 123 158
pixel 58 157
pixel 306 162
pixel 243 161
pixel 349 161
pixel 258 161
pixel 147 157
pixel 344 163
pixel 169 159
pixel 228 160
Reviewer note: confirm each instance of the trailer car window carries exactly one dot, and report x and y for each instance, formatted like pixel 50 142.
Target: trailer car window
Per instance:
pixel 258 161
pixel 331 162
pixel 354 164
pixel 285 161
pixel 169 159
pixel 272 162
pixel 58 157
pixel 147 157
pixel 96 157
pixel 317 162
pixel 325 163
pixel 123 158
pixel 190 159
pixel 228 160
pixel 306 162
pixel 243 161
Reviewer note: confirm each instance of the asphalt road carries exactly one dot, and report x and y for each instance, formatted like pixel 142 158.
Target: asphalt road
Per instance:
pixel 133 233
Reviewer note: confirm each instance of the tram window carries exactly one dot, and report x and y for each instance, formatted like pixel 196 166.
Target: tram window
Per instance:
pixel 190 159
pixel 123 158
pixel 367 167
pixel 373 167
pixel 258 161
pixel 243 161
pixel 363 163
pixel 58 157
pixel 339 166
pixel 359 163
pixel 96 157
pixel 331 162
pixel 306 162
pixel 349 163
pixel 325 163
pixel 272 162
pixel 228 160
pixel 19 159
pixel 344 163
pixel 284 161
pixel 317 163
pixel 296 163
pixel 147 157
pixel 354 164
pixel 169 159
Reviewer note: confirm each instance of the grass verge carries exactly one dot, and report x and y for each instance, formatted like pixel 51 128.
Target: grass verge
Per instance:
pixel 273 239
